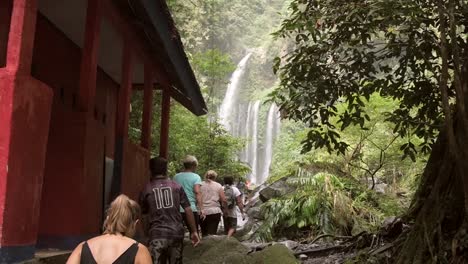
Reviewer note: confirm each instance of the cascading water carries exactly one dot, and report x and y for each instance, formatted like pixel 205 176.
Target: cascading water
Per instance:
pixel 246 153
pixel 271 132
pixel 230 99
pixel 242 122
pixel 254 143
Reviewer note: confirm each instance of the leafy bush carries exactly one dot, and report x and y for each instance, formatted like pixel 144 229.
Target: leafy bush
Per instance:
pixel 324 203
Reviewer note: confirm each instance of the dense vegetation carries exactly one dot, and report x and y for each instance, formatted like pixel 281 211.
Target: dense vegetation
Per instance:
pixel 372 96
pixel 411 52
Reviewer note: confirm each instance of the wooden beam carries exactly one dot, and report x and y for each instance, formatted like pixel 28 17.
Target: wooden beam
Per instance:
pixel 88 71
pixel 165 117
pixel 147 108
pixel 21 36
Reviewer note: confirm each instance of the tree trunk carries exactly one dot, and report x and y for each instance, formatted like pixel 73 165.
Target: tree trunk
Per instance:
pixel 438 209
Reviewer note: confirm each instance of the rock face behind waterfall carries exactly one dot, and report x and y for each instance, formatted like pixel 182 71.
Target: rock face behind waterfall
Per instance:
pixel 220 249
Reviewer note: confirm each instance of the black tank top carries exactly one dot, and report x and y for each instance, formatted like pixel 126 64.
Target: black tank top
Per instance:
pixel 128 257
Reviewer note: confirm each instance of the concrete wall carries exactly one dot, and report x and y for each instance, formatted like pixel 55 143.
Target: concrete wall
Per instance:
pixel 24 117
pixel 72 201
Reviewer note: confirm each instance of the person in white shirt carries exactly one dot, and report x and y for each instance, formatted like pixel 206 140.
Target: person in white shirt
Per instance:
pixel 233 199
pixel 212 199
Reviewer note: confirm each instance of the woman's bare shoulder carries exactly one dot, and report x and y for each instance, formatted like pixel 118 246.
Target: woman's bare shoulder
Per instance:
pixel 143 255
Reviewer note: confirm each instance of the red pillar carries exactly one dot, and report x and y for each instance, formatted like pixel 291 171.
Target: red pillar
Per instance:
pixel 21 37
pixel 165 116
pixel 25 105
pixel 147 108
pixel 123 109
pixel 89 55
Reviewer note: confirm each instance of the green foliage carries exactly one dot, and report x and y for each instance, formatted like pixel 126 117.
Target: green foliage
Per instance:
pixel 348 50
pixel 210 143
pixel 326 204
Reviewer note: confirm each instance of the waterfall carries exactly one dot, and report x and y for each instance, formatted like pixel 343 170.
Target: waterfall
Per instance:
pixel 272 129
pixel 254 143
pixel 230 98
pixel 246 134
pixel 241 119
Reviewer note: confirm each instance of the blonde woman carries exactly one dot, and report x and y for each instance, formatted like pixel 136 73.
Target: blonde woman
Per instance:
pixel 115 245
pixel 212 196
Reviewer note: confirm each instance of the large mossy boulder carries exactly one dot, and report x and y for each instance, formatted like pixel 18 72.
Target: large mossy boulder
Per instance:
pixel 223 250
pixel 217 249
pixel 278 253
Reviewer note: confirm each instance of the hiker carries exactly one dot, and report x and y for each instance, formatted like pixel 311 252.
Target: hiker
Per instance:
pixel 233 198
pixel 115 245
pixel 191 183
pixel 161 199
pixel 212 198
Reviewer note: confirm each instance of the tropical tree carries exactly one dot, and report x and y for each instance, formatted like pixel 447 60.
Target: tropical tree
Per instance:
pixel 414 52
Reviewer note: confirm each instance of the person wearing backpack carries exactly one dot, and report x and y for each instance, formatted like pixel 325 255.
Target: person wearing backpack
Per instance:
pixel 233 199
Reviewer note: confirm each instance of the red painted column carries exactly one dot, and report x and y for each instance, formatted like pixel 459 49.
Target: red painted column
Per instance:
pixel 21 36
pixel 147 108
pixel 165 117
pixel 25 105
pixel 123 112
pixel 89 55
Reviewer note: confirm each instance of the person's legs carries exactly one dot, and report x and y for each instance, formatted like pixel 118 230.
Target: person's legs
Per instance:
pixel 232 226
pixel 159 251
pixel 197 221
pixel 212 225
pixel 176 250
pixel 204 226
pixel 226 224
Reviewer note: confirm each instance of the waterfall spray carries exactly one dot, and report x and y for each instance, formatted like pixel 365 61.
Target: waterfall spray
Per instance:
pixel 271 133
pixel 230 98
pixel 254 143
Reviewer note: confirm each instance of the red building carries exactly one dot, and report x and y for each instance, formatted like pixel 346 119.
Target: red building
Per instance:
pixel 67 71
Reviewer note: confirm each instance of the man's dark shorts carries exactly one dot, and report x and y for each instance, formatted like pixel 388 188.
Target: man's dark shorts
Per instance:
pixel 229 222
pixel 167 250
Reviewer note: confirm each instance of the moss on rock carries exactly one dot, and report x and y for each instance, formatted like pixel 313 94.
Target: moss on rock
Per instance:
pixel 223 250
pixel 276 254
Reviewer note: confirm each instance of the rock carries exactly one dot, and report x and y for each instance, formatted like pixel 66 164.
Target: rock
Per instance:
pixel 392 227
pixel 303 257
pixel 247 234
pixel 277 189
pixel 216 249
pixel 255 246
pixel 255 213
pixel 291 245
pixel 380 188
pixel 220 249
pixel 276 254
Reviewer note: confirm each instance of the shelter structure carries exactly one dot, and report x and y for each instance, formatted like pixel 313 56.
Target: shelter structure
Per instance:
pixel 67 73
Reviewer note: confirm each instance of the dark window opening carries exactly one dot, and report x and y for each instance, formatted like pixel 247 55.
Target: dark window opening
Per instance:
pixel 62 95
pixel 74 101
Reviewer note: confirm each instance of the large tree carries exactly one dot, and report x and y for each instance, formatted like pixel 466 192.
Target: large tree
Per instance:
pixel 412 51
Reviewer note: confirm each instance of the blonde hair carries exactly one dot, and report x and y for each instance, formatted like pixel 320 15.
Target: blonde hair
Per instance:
pixel 121 216
pixel 211 174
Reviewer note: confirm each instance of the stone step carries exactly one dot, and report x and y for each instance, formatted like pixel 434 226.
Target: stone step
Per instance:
pixel 49 256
